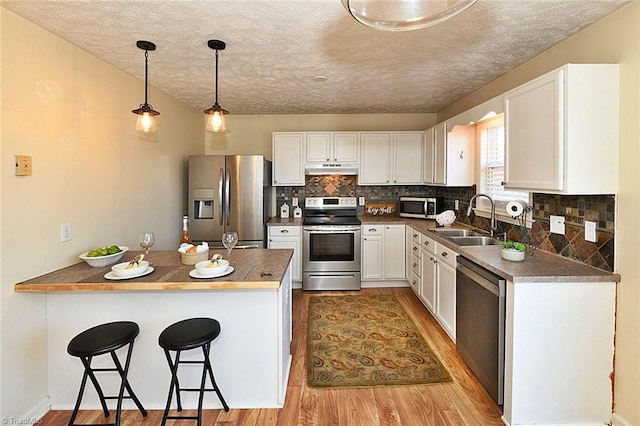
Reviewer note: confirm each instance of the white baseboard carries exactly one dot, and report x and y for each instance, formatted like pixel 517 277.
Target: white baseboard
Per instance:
pixel 33 416
pixel 379 284
pixel 618 420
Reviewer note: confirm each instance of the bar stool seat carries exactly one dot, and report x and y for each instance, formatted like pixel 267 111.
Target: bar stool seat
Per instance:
pixel 192 333
pixel 100 340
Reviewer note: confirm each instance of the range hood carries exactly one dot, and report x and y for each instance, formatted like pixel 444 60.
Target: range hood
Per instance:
pixel 331 168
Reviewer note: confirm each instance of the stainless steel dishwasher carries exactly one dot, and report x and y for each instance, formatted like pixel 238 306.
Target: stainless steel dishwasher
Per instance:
pixel 480 318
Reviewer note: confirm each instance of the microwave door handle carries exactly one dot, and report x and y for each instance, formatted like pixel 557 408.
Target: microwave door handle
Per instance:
pixel 426 208
pixel 220 200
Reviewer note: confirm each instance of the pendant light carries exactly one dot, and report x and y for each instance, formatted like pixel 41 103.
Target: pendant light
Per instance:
pixel 215 120
pixel 404 15
pixel 146 114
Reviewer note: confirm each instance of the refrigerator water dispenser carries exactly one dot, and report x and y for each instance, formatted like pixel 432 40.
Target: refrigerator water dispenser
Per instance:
pixel 203 203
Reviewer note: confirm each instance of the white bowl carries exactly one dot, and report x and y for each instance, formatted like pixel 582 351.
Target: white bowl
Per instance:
pixel 446 218
pixel 100 261
pixel 512 255
pixel 120 270
pixel 203 268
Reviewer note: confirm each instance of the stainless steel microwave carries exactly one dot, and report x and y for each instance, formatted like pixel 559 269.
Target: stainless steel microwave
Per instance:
pixel 421 208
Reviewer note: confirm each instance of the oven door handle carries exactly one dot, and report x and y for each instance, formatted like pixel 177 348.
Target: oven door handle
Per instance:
pixel 331 231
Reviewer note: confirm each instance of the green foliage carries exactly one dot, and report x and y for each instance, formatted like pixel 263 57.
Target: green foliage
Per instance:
pixel 513 245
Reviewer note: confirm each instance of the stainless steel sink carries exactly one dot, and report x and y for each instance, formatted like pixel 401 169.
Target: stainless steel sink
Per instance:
pixel 474 241
pixel 456 232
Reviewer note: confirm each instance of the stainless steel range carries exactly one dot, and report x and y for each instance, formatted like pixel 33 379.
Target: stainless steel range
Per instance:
pixel 331 244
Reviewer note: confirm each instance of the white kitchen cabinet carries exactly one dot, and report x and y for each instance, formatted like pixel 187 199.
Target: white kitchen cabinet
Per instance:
pixel 372 250
pixel 394 262
pixel 446 290
pixel 562 131
pixel 429 278
pixel 414 264
pixel 288 237
pixel 449 156
pixel 288 159
pixel 437 289
pixel 383 252
pixel 341 147
pixel 391 158
pixel 406 156
pixel 408 243
pixel 375 166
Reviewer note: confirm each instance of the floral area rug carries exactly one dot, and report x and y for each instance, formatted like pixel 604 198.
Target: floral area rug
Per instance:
pixel 363 341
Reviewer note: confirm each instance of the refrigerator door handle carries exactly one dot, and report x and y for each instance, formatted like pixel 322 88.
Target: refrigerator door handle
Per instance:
pixel 220 201
pixel 227 196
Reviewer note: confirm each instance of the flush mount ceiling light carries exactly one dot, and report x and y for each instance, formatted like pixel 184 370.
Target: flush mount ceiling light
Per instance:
pixel 146 115
pixel 404 15
pixel 215 121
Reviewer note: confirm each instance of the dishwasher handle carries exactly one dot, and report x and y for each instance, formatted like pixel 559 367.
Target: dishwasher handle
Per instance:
pixel 494 288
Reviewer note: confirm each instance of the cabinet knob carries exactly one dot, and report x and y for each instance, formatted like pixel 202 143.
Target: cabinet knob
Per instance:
pixel 327 159
pixel 415 248
pixel 426 243
pixel 414 282
pixel 415 265
pixel 445 254
pixel 415 235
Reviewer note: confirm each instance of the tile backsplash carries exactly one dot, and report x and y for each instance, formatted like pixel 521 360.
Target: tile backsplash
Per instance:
pixel 575 209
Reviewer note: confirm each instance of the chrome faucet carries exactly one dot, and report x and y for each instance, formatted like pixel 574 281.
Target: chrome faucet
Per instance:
pixel 493 211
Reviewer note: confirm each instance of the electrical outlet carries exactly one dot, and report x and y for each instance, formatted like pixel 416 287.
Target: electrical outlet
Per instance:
pixel 590 231
pixel 65 232
pixel 556 224
pixel 294 201
pixel 455 205
pixel 361 201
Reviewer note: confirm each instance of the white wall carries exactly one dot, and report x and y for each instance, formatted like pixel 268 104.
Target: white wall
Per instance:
pixel 251 134
pixel 615 39
pixel 72 114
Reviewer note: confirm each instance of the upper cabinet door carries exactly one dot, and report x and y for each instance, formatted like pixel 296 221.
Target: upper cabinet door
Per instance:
pixel 375 167
pixel 318 147
pixel 534 139
pixel 288 159
pixel 407 158
pixel 346 147
pixel 440 153
pixel 562 131
pixel 428 163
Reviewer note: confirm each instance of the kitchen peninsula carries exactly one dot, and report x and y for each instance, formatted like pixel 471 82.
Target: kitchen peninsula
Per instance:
pixel 251 357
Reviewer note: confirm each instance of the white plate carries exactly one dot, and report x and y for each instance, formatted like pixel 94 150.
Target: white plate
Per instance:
pixel 195 274
pixel 111 276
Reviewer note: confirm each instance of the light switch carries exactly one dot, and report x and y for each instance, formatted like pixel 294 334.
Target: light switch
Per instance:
pixel 23 165
pixel 590 231
pixel 361 201
pixel 556 224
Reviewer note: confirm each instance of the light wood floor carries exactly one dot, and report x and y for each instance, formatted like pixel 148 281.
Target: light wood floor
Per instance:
pixel 463 402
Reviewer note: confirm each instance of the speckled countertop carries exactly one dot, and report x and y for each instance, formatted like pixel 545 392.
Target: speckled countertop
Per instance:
pixel 254 268
pixel 539 267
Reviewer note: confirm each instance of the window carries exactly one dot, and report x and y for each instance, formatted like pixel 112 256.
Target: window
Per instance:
pixel 490 143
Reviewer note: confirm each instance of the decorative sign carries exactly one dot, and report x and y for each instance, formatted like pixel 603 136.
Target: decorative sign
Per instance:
pixel 380 209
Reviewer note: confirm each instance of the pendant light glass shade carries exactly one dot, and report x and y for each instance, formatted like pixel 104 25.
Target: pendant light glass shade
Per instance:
pixel 404 15
pixel 146 122
pixel 215 120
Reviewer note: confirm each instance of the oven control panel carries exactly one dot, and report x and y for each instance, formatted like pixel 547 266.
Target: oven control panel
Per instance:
pixel 330 202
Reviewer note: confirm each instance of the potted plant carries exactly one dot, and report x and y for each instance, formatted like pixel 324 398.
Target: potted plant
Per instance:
pixel 513 250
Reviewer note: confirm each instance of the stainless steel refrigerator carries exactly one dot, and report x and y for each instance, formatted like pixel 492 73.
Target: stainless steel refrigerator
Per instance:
pixel 230 193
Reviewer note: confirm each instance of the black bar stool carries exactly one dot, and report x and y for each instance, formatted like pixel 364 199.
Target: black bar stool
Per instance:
pixel 99 340
pixel 184 335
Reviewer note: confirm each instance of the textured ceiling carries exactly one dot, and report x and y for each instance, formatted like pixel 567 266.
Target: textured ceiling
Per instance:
pixel 275 48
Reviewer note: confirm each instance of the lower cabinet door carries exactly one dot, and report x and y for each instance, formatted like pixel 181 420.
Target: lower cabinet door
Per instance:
pixel 428 288
pixel 446 299
pixel 296 261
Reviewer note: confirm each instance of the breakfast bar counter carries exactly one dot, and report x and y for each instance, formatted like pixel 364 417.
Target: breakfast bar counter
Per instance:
pixel 254 268
pixel 251 357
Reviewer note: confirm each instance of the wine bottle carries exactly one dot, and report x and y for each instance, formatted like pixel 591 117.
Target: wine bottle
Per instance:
pixel 185 237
